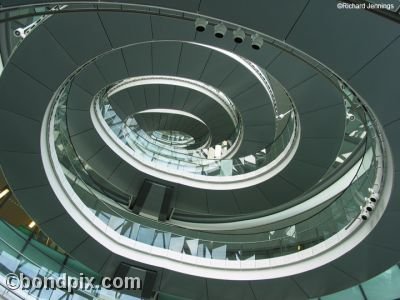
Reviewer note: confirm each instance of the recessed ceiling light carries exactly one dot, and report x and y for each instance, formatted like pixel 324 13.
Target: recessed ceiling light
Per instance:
pixel 201 24
pixel 32 224
pixel 4 193
pixel 239 35
pixel 220 30
pixel 256 41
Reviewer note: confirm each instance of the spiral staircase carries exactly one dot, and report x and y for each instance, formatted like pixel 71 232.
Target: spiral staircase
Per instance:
pixel 213 168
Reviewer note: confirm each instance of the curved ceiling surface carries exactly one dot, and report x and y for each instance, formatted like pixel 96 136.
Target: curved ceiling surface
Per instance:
pixel 283 20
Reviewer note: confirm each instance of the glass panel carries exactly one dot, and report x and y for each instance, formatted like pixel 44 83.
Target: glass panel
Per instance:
pixel 353 293
pixel 384 286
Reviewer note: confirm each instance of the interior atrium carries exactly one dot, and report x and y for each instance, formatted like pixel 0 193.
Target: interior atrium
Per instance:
pixel 212 149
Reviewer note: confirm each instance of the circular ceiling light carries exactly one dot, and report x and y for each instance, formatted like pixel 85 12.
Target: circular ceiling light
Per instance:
pixel 256 41
pixel 239 35
pixel 201 24
pixel 220 30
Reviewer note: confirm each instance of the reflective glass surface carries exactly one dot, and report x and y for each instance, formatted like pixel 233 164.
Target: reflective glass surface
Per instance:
pixel 20 254
pixel 343 210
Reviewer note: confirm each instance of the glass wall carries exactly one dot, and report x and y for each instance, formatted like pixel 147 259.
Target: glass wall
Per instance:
pixel 385 286
pixel 27 251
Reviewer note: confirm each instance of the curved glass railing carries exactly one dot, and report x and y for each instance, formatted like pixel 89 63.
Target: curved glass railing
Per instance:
pixel 218 96
pixel 173 138
pixel 207 89
pixel 129 129
pixel 20 254
pixel 349 154
pixel 344 209
pixel 355 132
pixel 146 150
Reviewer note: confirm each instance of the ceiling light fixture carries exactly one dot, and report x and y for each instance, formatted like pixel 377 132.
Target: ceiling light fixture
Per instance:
pixel 256 41
pixel 4 193
pixel 220 30
pixel 200 24
pixel 239 35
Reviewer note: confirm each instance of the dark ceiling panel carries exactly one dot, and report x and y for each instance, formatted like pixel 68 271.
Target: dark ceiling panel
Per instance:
pixel 222 203
pixel 314 285
pixel 347 43
pixel 69 236
pixel 325 128
pixel 138 98
pixel 165 28
pixel 166 95
pixel 260 134
pixel 180 96
pixel 241 290
pixel 194 99
pixel 40 197
pixel 253 97
pixel 216 69
pixel 315 94
pixel 89 38
pixel 112 67
pixel 123 177
pixel 78 98
pixel 152 93
pixel 15 166
pixel 239 81
pixel 122 104
pixel 20 137
pixel 138 59
pixel 192 60
pixel 105 161
pixel 126 28
pixel 87 143
pixel 250 200
pixel 90 79
pixel 273 288
pixel 380 80
pixel 16 100
pixel 295 174
pixel 47 52
pixel 317 152
pixel 165 58
pixel 289 70
pixel 273 190
pixel 260 115
pixel 190 287
pixel 78 121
